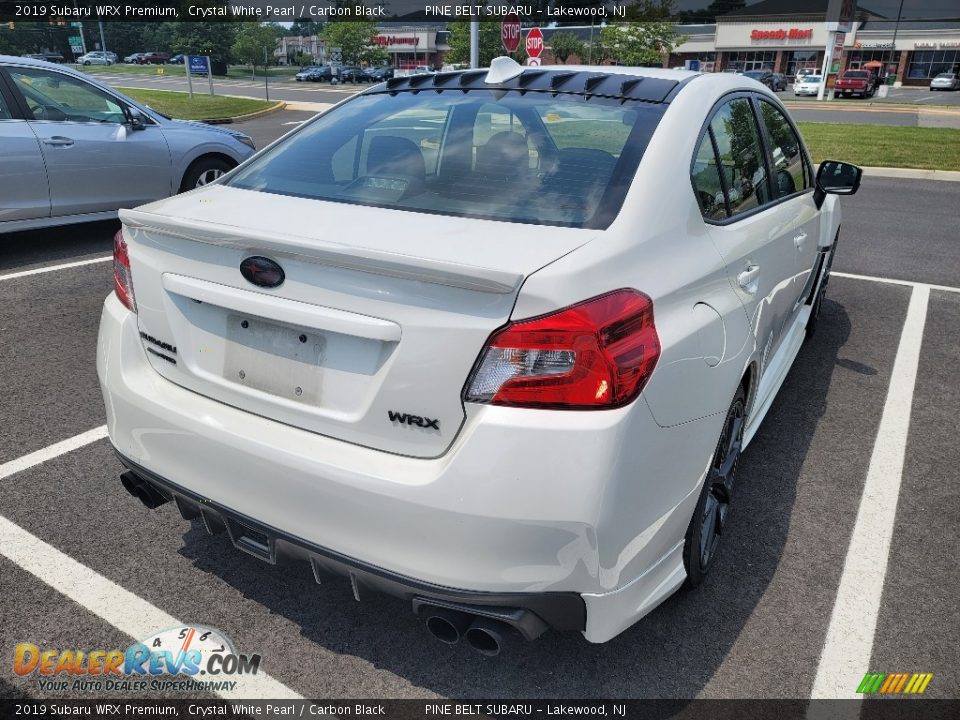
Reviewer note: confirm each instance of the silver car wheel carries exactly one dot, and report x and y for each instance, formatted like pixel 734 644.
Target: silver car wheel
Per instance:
pixel 208 176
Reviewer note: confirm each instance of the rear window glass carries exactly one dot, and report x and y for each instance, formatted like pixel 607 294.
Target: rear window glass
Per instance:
pixel 532 158
pixel 855 74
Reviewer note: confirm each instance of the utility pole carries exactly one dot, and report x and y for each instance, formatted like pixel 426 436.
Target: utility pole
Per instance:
pixel 266 75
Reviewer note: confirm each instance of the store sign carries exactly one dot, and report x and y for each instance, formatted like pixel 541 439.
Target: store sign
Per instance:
pixel 384 40
pixel 925 45
pixel 874 45
pixel 791 34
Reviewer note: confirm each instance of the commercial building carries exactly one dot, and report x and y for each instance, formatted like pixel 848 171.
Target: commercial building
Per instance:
pixel 413 46
pixel 786 35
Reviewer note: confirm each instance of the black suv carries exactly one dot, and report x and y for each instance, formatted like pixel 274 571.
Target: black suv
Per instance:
pixel 762 76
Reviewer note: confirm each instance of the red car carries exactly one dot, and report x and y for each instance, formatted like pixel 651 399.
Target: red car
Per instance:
pixel 153 58
pixel 855 82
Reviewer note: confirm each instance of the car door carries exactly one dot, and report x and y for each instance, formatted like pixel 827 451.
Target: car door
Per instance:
pixel 748 228
pixel 793 198
pixel 95 161
pixel 24 194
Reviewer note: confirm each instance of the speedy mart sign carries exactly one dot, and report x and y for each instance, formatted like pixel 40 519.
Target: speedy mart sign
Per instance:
pixel 741 36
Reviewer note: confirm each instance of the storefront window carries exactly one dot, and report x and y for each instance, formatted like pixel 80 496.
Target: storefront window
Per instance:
pixel 890 60
pixel 800 59
pixel 930 63
pixel 746 60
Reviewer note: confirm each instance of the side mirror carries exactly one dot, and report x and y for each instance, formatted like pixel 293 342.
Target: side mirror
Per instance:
pixel 836 178
pixel 135 118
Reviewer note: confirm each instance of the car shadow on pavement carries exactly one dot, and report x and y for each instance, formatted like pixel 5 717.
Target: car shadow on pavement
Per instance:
pixel 672 653
pixel 22 250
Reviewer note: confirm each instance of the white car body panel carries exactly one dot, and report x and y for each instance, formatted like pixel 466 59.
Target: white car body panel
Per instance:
pixel 501 499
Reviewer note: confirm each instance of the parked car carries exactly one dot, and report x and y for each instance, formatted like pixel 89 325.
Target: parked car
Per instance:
pixel 176 60
pixel 516 399
pixel 807 84
pixel 855 82
pixel 314 74
pixel 761 76
pixel 133 58
pixel 379 74
pixel 97 57
pixel 83 150
pixel 945 81
pixel 351 74
pixel 53 57
pixel 153 58
pixel 779 82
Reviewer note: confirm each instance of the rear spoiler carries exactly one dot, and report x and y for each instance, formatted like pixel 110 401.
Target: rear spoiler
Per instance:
pixel 378 262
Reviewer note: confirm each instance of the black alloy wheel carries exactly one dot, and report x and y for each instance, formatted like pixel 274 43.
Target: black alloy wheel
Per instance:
pixel 702 541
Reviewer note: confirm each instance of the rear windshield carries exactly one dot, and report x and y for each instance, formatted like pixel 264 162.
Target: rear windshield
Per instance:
pixel 855 74
pixel 531 158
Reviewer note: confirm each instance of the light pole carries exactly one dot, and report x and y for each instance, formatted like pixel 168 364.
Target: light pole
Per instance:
pixel 474 44
pixel 896 27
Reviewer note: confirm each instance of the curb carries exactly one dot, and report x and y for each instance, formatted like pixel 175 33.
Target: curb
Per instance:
pixel 280 105
pixel 912 174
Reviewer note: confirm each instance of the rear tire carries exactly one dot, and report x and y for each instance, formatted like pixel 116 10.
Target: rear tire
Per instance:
pixel 702 540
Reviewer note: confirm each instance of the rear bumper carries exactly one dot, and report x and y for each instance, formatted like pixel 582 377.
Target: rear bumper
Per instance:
pixel 557 610
pixel 574 517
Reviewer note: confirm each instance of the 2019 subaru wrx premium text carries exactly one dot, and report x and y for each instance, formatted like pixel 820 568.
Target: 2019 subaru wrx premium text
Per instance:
pixel 494 348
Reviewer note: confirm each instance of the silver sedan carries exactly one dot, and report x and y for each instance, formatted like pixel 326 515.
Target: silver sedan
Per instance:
pixel 76 150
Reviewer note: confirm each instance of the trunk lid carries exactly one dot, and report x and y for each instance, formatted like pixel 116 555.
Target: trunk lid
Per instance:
pixel 374 330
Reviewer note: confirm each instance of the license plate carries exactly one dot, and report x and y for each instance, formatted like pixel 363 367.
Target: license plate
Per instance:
pixel 278 359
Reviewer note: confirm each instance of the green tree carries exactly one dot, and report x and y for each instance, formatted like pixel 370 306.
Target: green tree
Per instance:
pixel 355 40
pixel 306 28
pixel 255 44
pixel 639 43
pixel 564 44
pixel 204 38
pixel 491 44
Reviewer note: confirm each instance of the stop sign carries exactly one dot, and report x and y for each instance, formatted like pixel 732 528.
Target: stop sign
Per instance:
pixel 510 32
pixel 534 43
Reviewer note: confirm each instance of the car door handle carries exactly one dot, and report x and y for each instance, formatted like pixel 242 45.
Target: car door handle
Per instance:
pixel 748 278
pixel 798 241
pixel 58 141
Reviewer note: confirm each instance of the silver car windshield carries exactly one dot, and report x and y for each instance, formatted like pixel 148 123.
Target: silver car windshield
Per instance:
pixel 532 157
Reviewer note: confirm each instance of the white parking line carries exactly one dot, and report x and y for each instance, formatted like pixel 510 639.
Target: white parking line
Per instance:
pixel 50 452
pixel 52 268
pixel 125 611
pixel 849 642
pixel 892 281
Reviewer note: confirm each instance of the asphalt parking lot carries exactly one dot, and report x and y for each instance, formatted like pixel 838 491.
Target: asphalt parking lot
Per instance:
pixel 857 455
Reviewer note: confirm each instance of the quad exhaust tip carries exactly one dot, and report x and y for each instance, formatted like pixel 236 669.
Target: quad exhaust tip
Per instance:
pixel 142 490
pixel 485 635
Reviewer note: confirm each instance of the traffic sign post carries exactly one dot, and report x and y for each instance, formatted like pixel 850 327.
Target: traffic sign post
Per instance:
pixel 510 32
pixel 534 44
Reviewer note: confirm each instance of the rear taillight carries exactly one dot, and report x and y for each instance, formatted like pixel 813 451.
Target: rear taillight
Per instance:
pixel 594 355
pixel 122 278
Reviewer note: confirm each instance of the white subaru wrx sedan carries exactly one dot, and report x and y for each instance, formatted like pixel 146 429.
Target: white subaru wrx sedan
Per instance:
pixel 489 341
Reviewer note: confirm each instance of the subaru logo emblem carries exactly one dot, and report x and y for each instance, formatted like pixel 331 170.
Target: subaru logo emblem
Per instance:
pixel 262 271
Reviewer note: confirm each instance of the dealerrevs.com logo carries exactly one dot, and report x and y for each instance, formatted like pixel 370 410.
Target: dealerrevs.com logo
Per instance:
pixel 175 660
